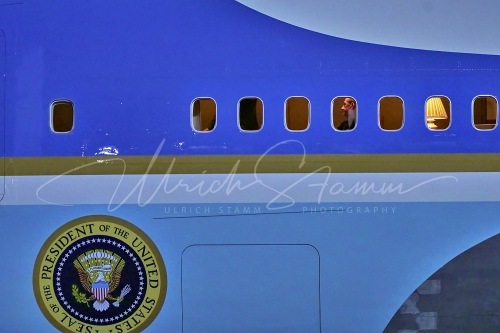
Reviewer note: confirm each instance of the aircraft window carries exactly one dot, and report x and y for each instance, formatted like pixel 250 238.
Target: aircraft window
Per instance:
pixel 344 113
pixel 250 114
pixel 297 113
pixel 62 116
pixel 485 112
pixel 390 113
pixel 203 114
pixel 438 113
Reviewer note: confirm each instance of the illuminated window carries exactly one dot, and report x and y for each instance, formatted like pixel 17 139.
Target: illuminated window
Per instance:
pixel 297 113
pixel 250 114
pixel 438 113
pixel 390 113
pixel 62 116
pixel 485 112
pixel 203 114
pixel 344 113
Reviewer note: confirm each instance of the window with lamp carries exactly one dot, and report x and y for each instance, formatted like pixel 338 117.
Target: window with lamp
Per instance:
pixel 438 113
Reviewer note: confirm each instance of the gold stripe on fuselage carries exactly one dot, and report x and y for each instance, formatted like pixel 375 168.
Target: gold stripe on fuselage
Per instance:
pixel 238 164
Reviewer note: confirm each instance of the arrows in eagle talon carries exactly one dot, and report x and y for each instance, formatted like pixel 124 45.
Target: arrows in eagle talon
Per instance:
pixel 123 293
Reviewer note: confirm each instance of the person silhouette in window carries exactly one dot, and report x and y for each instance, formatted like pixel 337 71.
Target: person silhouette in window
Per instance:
pixel 349 113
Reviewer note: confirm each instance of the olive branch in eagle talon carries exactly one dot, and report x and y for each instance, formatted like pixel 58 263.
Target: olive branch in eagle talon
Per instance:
pixel 79 297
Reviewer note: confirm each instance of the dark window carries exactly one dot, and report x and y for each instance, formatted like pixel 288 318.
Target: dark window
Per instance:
pixel 62 116
pixel 250 114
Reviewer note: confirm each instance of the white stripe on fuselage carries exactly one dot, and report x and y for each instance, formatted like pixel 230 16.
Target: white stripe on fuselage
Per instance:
pixel 276 191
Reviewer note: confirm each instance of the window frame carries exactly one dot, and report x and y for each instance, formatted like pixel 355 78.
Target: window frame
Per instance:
pixel 53 104
pixel 472 113
pixel 238 120
pixel 332 116
pixel 450 113
pixel 192 116
pixel 308 114
pixel 403 118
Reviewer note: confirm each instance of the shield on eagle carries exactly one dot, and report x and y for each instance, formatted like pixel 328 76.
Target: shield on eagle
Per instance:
pixel 100 290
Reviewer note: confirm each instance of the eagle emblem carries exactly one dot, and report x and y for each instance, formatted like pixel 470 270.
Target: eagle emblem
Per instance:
pixel 99 272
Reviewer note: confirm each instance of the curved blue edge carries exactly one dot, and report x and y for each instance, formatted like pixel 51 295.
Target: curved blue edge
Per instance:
pixel 460 296
pixel 133 71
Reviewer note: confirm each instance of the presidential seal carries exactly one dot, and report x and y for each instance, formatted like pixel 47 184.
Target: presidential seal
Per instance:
pixel 99 274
